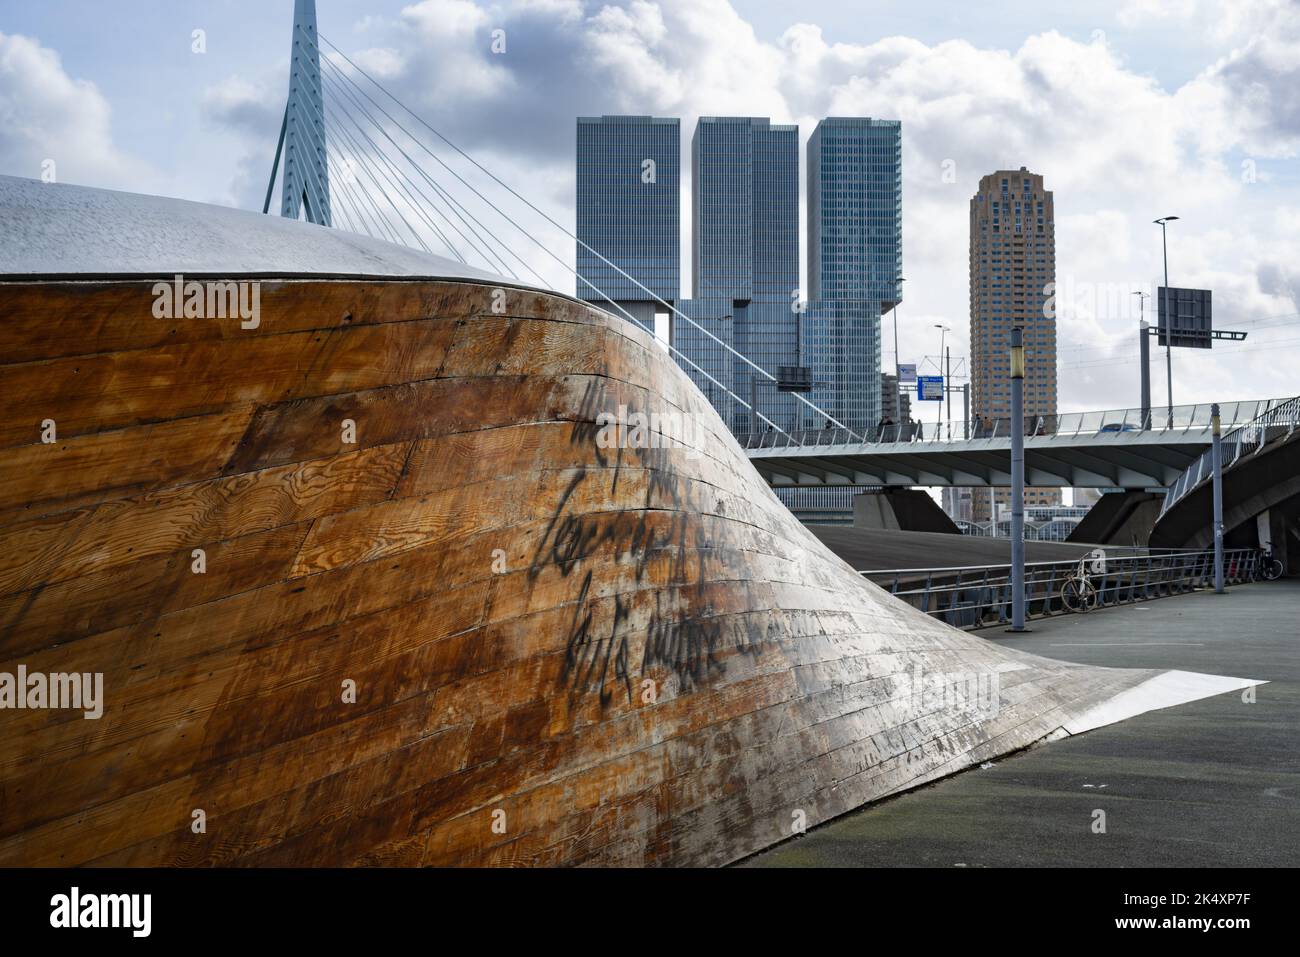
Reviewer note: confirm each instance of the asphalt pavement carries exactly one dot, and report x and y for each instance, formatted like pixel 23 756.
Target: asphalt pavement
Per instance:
pixel 1208 784
pixel 866 548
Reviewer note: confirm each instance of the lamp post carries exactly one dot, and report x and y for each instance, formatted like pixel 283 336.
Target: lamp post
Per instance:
pixel 1017 480
pixel 898 370
pixel 1217 459
pixel 1169 315
pixel 943 331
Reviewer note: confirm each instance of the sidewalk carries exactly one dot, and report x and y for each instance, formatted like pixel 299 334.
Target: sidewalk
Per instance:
pixel 1211 783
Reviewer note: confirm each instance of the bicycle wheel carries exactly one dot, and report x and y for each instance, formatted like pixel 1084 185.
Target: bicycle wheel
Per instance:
pixel 1078 595
pixel 1272 569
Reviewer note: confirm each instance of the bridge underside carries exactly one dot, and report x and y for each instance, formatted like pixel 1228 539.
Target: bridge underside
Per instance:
pixel 1268 481
pixel 1120 460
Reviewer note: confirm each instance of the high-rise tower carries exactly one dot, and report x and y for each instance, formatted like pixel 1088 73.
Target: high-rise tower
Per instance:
pixel 745 263
pixel 855 257
pixel 855 209
pixel 629 212
pixel 1012 283
pixel 745 209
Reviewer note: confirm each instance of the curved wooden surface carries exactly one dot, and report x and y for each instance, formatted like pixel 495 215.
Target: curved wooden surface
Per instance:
pixel 563 653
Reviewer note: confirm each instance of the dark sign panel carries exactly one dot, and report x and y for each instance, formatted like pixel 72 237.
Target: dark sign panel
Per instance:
pixel 1192 325
pixel 793 379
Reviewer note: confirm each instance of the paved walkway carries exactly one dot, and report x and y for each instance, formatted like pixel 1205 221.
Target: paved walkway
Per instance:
pixel 1211 783
pixel 872 548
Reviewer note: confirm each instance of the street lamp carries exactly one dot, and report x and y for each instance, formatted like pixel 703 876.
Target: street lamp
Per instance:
pixel 1169 316
pixel 898 370
pixel 1142 307
pixel 943 331
pixel 1017 364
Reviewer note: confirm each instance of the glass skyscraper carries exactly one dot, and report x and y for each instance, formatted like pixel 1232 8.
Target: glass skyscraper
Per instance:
pixel 744 209
pixel 745 255
pixel 855 255
pixel 745 264
pixel 855 209
pixel 839 341
pixel 629 211
pixel 709 363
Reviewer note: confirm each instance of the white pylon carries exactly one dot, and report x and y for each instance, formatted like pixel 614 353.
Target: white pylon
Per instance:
pixel 306 186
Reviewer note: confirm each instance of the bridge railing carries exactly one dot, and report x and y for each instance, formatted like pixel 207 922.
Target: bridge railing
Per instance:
pixel 1054 529
pixel 1179 419
pixel 1279 420
pixel 976 596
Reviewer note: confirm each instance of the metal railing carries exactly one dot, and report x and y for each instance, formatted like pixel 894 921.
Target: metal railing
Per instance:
pixel 1278 421
pixel 975 596
pixel 1181 419
pixel 1055 529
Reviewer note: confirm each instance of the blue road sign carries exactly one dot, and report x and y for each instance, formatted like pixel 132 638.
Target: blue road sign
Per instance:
pixel 929 388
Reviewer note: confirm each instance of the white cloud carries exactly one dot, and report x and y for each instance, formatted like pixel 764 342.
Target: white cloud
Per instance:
pixel 1117 148
pixel 251 110
pixel 1143 12
pixel 445 18
pixel 47 115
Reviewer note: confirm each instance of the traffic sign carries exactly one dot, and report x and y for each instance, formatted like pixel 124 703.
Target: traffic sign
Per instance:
pixel 906 373
pixel 1192 325
pixel 929 388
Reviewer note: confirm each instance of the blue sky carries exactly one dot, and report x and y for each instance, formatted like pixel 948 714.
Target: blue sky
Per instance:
pixel 154 83
pixel 1131 108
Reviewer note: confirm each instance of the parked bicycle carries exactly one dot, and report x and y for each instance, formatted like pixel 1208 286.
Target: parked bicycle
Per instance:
pixel 1270 568
pixel 1078 593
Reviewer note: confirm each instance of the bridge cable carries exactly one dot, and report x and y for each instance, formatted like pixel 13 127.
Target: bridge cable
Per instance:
pixel 452 203
pixel 451 247
pixel 481 248
pixel 370 169
pixel 550 220
pixel 616 305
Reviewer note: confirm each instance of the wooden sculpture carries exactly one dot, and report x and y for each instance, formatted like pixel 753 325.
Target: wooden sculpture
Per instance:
pixel 435 572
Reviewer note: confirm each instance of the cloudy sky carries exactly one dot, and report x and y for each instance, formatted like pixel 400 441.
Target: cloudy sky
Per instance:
pixel 1132 109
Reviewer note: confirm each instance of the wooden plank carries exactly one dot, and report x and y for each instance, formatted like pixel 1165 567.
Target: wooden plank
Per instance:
pixel 58 319
pixel 137 592
pixel 63 546
pixel 41 478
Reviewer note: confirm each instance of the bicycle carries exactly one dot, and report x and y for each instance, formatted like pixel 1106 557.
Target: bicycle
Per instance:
pixel 1270 568
pixel 1078 593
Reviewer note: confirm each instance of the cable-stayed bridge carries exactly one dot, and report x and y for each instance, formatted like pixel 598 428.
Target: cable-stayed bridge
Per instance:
pixel 353 156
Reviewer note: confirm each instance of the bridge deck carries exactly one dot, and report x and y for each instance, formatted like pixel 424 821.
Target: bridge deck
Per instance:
pixel 1105 460
pixel 1078 449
